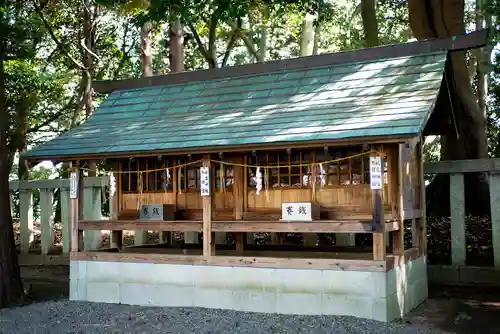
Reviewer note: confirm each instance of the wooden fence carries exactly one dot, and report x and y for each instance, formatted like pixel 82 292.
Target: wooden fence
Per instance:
pixel 91 210
pixel 459 273
pixel 456 273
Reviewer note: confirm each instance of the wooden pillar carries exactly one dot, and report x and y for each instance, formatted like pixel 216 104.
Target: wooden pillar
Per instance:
pixel 250 237
pixel 379 244
pixel 311 239
pixel 238 187
pixel 495 216
pixel 25 217
pixel 116 236
pixel 46 220
pixel 65 220
pixel 76 236
pixel 457 206
pixel 422 220
pixel 208 244
pixel 395 170
pixel 92 209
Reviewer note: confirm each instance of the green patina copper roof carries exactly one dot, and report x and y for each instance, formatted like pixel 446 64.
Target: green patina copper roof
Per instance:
pixel 373 98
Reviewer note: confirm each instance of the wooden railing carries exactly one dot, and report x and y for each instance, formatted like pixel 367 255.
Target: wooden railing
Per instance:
pixel 459 272
pixel 91 210
pixel 456 273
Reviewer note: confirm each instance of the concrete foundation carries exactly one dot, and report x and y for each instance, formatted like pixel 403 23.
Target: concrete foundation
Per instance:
pixel 383 296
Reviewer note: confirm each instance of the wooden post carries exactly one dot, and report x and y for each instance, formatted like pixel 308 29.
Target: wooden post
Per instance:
pixel 92 209
pixel 208 245
pixel 65 220
pixel 395 170
pixel 46 220
pixel 495 216
pixel 248 236
pixel 116 237
pixel 238 186
pixel 25 218
pixel 74 209
pixel 422 220
pixel 379 244
pixel 457 206
pixel 311 239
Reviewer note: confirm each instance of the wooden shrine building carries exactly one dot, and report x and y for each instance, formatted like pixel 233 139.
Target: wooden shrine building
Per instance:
pixel 327 145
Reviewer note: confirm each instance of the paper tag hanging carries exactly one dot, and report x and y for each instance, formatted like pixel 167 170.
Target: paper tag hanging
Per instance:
pixel 205 181
pixel 258 179
pixel 321 175
pixel 73 185
pixel 112 184
pixel 376 173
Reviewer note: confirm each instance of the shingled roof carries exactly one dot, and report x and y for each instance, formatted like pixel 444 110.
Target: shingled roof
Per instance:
pixel 379 98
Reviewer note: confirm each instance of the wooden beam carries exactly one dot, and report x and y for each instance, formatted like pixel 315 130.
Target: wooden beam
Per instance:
pixel 472 40
pixel 383 139
pixel 102 181
pixel 323 226
pixel 463 166
pixel 232 261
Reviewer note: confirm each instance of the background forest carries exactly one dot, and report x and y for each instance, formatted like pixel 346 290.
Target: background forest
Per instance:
pixel 52 50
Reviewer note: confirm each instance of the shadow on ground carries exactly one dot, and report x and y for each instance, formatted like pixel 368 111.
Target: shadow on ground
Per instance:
pixel 459 310
pixel 449 309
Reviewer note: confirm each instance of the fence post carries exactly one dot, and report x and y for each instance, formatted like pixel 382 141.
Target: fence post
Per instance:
pixel 457 208
pixel 25 219
pixel 92 201
pixel 46 220
pixel 65 220
pixel 495 216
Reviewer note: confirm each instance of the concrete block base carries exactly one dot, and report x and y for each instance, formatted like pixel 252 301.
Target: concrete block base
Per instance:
pixel 383 296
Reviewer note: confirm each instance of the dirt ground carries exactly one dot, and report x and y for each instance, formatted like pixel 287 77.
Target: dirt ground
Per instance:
pixel 449 309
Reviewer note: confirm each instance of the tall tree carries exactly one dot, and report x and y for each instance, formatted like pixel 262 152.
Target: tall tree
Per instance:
pixel 433 19
pixel 12 35
pixel 370 26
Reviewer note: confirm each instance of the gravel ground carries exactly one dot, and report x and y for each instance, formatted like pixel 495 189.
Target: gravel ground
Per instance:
pixel 83 317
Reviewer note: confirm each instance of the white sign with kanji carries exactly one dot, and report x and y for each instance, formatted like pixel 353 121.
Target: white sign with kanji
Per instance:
pixel 376 173
pixel 151 212
pixel 205 181
pixel 73 185
pixel 298 211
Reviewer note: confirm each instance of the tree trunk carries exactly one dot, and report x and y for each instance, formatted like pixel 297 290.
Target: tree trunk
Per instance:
pixel 432 19
pixel 306 36
pixel 146 50
pixel 176 42
pixel 370 26
pixel 263 44
pixel 317 37
pixel 11 287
